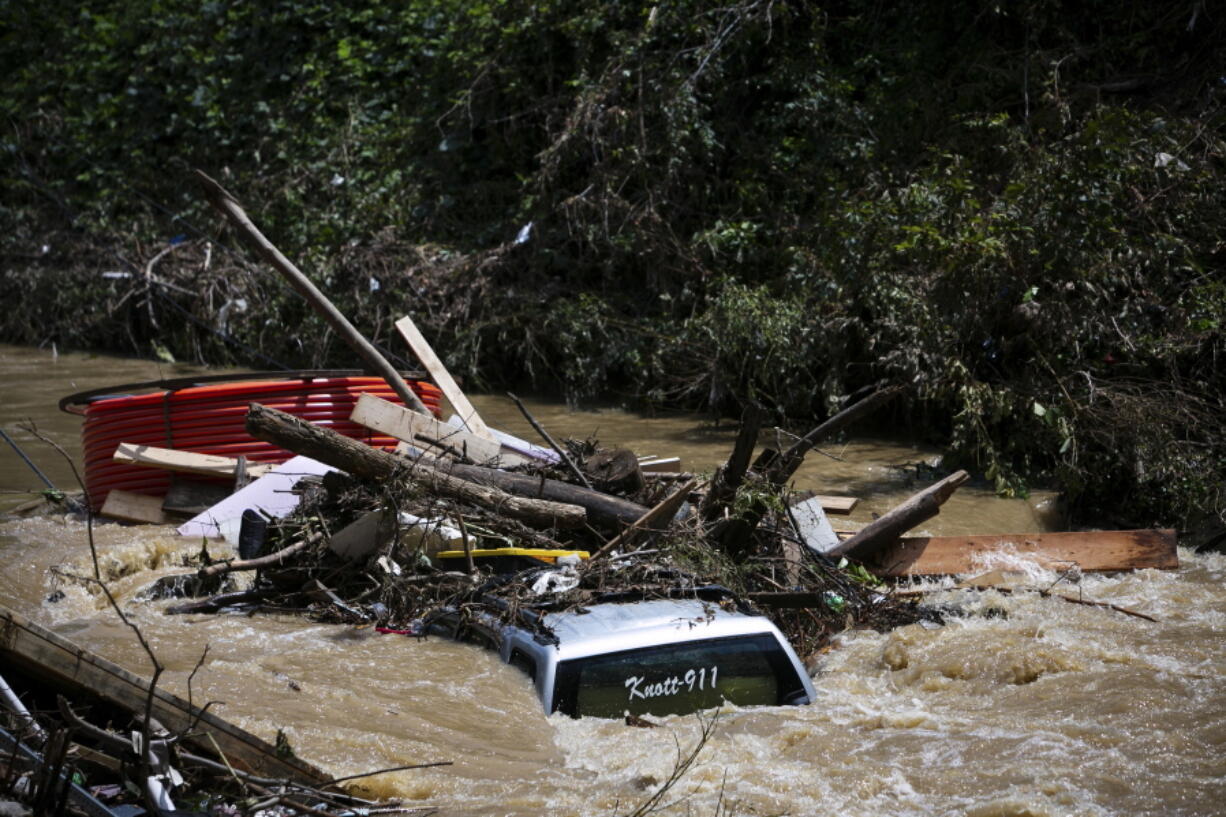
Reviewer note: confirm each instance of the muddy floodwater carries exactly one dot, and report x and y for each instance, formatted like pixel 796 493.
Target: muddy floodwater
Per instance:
pixel 1025 706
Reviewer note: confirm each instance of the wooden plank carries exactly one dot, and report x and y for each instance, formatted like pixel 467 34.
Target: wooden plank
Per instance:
pixel 56 659
pixel 838 504
pixel 130 507
pixel 1092 551
pixel 396 421
pixel 184 462
pixel 660 464
pixel 442 378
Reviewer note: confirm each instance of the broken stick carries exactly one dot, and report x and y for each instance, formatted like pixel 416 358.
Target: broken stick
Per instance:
pixel 663 512
pixel 552 444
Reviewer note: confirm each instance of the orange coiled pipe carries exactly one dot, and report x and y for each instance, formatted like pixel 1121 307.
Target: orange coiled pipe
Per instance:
pixel 209 419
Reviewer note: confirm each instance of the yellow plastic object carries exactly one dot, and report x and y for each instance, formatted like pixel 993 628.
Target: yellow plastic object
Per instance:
pixel 540 554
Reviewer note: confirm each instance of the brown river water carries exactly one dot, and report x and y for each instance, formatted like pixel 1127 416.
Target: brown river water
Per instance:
pixel 1049 709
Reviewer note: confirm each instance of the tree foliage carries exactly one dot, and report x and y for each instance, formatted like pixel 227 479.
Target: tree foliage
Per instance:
pixel 1014 208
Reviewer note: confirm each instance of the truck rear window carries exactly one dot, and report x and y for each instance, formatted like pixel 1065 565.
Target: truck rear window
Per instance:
pixel 677 678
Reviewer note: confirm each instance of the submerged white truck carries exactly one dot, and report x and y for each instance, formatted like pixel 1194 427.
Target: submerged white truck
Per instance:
pixel 654 657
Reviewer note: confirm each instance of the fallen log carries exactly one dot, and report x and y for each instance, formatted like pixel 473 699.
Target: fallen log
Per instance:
pixel 603 510
pixel 360 460
pixel 885 531
pixel 615 469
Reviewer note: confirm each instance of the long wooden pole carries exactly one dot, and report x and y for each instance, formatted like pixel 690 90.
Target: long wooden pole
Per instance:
pixel 228 206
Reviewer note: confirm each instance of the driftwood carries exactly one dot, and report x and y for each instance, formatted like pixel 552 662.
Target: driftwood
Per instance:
pixel 881 533
pixel 574 469
pixel 785 465
pixel 603 511
pixel 271 560
pixel 216 603
pixel 734 535
pixel 728 477
pixel 361 460
pixel 662 512
pixel 228 206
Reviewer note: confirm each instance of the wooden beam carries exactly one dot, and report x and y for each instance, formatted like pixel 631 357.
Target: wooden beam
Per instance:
pixel 442 378
pixel 396 421
pixel 130 507
pixel 838 504
pixel 183 462
pixel 1092 551
pixel 56 659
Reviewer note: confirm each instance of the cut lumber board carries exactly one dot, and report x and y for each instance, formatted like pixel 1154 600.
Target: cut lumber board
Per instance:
pixel 130 507
pixel 54 658
pixel 442 378
pixel 396 421
pixel 660 464
pixel 184 462
pixel 1092 551
pixel 838 504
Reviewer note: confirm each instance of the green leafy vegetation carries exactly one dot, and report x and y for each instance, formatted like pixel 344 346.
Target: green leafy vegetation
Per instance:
pixel 1015 209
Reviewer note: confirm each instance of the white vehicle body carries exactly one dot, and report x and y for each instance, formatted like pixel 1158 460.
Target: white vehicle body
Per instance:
pixel 653 657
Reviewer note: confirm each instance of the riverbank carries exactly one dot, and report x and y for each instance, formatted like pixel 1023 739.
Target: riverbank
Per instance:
pixel 652 204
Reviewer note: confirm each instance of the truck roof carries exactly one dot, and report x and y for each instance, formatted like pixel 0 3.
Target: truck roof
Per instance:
pixel 609 627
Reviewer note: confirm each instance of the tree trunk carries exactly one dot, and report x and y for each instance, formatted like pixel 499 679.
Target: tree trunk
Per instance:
pixel 734 535
pixel 728 478
pixel 363 461
pixel 604 511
